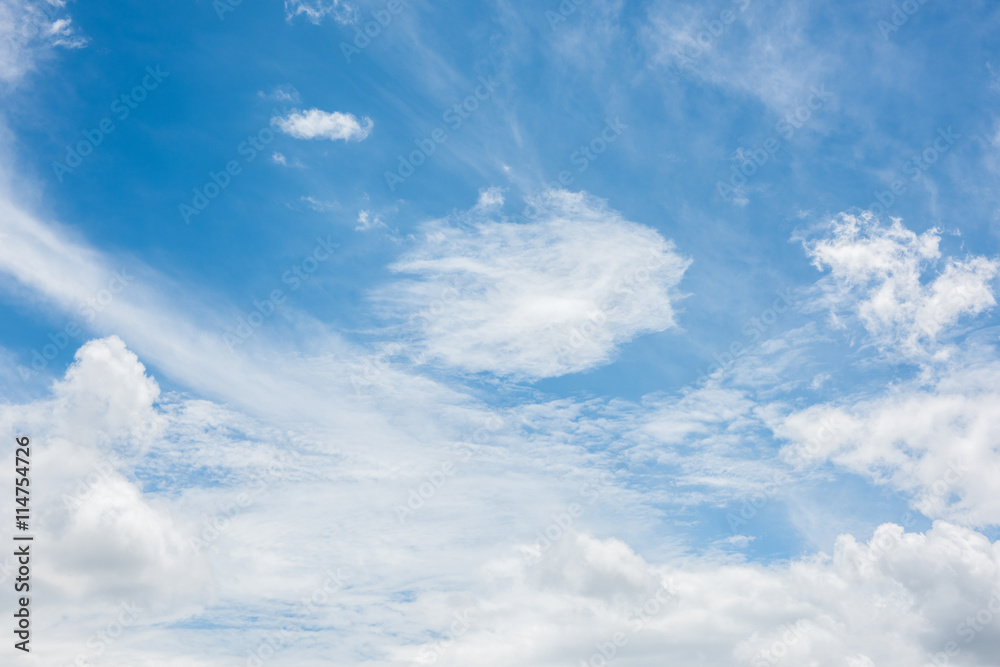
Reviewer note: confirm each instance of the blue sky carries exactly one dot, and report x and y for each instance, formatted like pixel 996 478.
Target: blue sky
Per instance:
pixel 720 276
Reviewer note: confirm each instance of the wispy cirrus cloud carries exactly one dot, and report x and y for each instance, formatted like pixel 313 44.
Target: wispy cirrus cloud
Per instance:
pixel 316 10
pixel 28 30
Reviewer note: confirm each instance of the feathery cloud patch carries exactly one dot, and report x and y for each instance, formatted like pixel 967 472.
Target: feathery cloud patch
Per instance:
pixel 317 10
pixel 28 30
pixel 539 299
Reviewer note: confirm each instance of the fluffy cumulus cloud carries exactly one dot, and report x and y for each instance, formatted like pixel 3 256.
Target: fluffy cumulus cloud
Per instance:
pixel 317 124
pixel 140 496
pixel 898 600
pixel 552 296
pixel 933 440
pixel 896 281
pixel 108 540
pixel 130 521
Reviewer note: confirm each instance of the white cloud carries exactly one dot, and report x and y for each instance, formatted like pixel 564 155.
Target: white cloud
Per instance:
pixel 888 602
pixel 283 93
pixel 764 50
pixel 109 539
pixel 316 10
pixel 545 298
pixel 490 198
pixel 934 441
pixel 316 124
pixel 319 205
pixel 28 30
pixel 890 277
pixel 368 221
pixel 866 605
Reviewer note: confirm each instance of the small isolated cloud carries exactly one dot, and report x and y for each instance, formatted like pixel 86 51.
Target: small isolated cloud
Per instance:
pixel 318 205
pixel 739 541
pixel 284 93
pixel 368 221
pixel 317 124
pixel 893 279
pixel 280 159
pixel 553 296
pixel 317 10
pixel 490 198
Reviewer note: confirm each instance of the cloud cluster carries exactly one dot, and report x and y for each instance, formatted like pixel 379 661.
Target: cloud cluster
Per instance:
pixel 888 601
pixel 553 296
pixel 108 539
pixel 898 600
pixel 893 280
